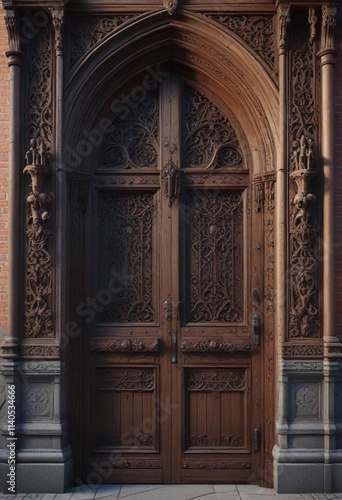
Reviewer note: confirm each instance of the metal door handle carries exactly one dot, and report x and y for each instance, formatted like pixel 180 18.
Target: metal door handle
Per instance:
pixel 255 326
pixel 174 346
pixel 256 438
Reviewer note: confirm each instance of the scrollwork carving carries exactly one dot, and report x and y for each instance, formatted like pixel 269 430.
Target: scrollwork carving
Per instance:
pixel 214 267
pixel 116 380
pixel 306 400
pixel 214 345
pixel 37 400
pixel 256 31
pixel 125 345
pixel 134 142
pixel 209 140
pixel 40 351
pixel 300 350
pixel 125 233
pixel 222 381
pixel 87 31
pixel 38 310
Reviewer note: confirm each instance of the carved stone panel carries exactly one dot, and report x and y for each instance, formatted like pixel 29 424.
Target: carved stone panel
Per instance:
pixel 37 400
pixel 305 401
pixel 125 235
pixel 209 140
pixel 214 263
pixel 134 138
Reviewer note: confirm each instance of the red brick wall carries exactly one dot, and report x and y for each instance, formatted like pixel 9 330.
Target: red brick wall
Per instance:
pixel 4 117
pixel 338 184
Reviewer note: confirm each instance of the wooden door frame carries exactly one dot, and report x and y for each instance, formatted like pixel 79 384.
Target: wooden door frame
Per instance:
pixel 196 47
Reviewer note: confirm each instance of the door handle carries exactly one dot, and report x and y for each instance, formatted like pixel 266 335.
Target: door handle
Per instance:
pixel 256 438
pixel 174 347
pixel 255 327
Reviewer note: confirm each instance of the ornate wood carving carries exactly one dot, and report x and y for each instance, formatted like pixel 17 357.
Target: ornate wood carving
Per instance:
pixel 118 380
pixel 127 180
pixel 214 267
pixel 205 464
pixel 38 310
pixel 40 351
pixel 134 140
pixel 283 24
pixel 209 140
pixel 213 345
pixel 125 345
pixel 313 25
pixel 170 6
pixel 226 441
pixel 232 441
pixel 87 31
pixel 219 381
pixel 216 179
pixel 256 31
pixel 301 350
pixel 304 249
pixel 57 23
pixel 125 241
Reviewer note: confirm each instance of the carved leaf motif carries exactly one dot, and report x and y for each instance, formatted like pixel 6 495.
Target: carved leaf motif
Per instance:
pixel 256 31
pixel 125 243
pixel 213 345
pixel 214 264
pixel 86 31
pixel 232 441
pixel 115 380
pixel 134 140
pixel 223 381
pixel 125 345
pixel 209 140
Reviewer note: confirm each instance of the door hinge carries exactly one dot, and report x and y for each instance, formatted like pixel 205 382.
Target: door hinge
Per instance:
pixel 256 437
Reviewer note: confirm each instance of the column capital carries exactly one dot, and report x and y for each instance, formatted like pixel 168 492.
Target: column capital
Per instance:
pixel 14 54
pixel 284 16
pixel 329 12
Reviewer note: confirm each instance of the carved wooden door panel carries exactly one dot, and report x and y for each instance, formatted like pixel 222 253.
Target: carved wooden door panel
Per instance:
pixel 175 380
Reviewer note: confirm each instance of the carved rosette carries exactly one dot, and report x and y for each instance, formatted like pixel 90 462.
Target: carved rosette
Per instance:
pixel 38 311
pixel 303 130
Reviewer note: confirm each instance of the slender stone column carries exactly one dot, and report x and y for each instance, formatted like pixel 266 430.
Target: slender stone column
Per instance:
pixel 10 347
pixel 281 203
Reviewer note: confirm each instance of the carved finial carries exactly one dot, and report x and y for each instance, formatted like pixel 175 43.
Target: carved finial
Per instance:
pixel 170 6
pixel 12 30
pixel 328 26
pixel 283 22
pixel 57 22
pixel 313 24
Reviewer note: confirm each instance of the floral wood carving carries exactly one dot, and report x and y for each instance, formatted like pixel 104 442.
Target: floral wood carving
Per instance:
pixel 117 380
pixel 232 441
pixel 256 31
pixel 209 140
pixel 220 381
pixel 86 31
pixel 213 345
pixel 213 263
pixel 134 141
pixel 38 310
pixel 226 441
pixel 304 250
pixel 170 6
pixel 125 235
pixel 125 345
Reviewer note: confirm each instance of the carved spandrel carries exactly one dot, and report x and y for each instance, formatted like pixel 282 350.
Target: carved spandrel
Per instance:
pixel 125 235
pixel 256 31
pixel 87 31
pixel 209 140
pixel 214 264
pixel 133 142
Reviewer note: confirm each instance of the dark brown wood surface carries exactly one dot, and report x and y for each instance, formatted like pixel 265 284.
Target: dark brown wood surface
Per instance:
pixel 174 382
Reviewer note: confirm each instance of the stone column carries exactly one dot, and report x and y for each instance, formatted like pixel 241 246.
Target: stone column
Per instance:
pixel 332 347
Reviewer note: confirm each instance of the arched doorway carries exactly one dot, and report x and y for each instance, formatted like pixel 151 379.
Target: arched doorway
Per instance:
pixel 173 285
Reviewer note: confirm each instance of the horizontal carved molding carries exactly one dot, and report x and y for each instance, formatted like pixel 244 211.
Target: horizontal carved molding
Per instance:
pixel 299 350
pixel 40 351
pixel 214 464
pixel 120 380
pixel 125 345
pixel 217 381
pixel 213 345
pixel 333 350
pixel 302 366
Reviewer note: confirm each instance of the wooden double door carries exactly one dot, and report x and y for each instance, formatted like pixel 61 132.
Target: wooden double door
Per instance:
pixel 172 359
